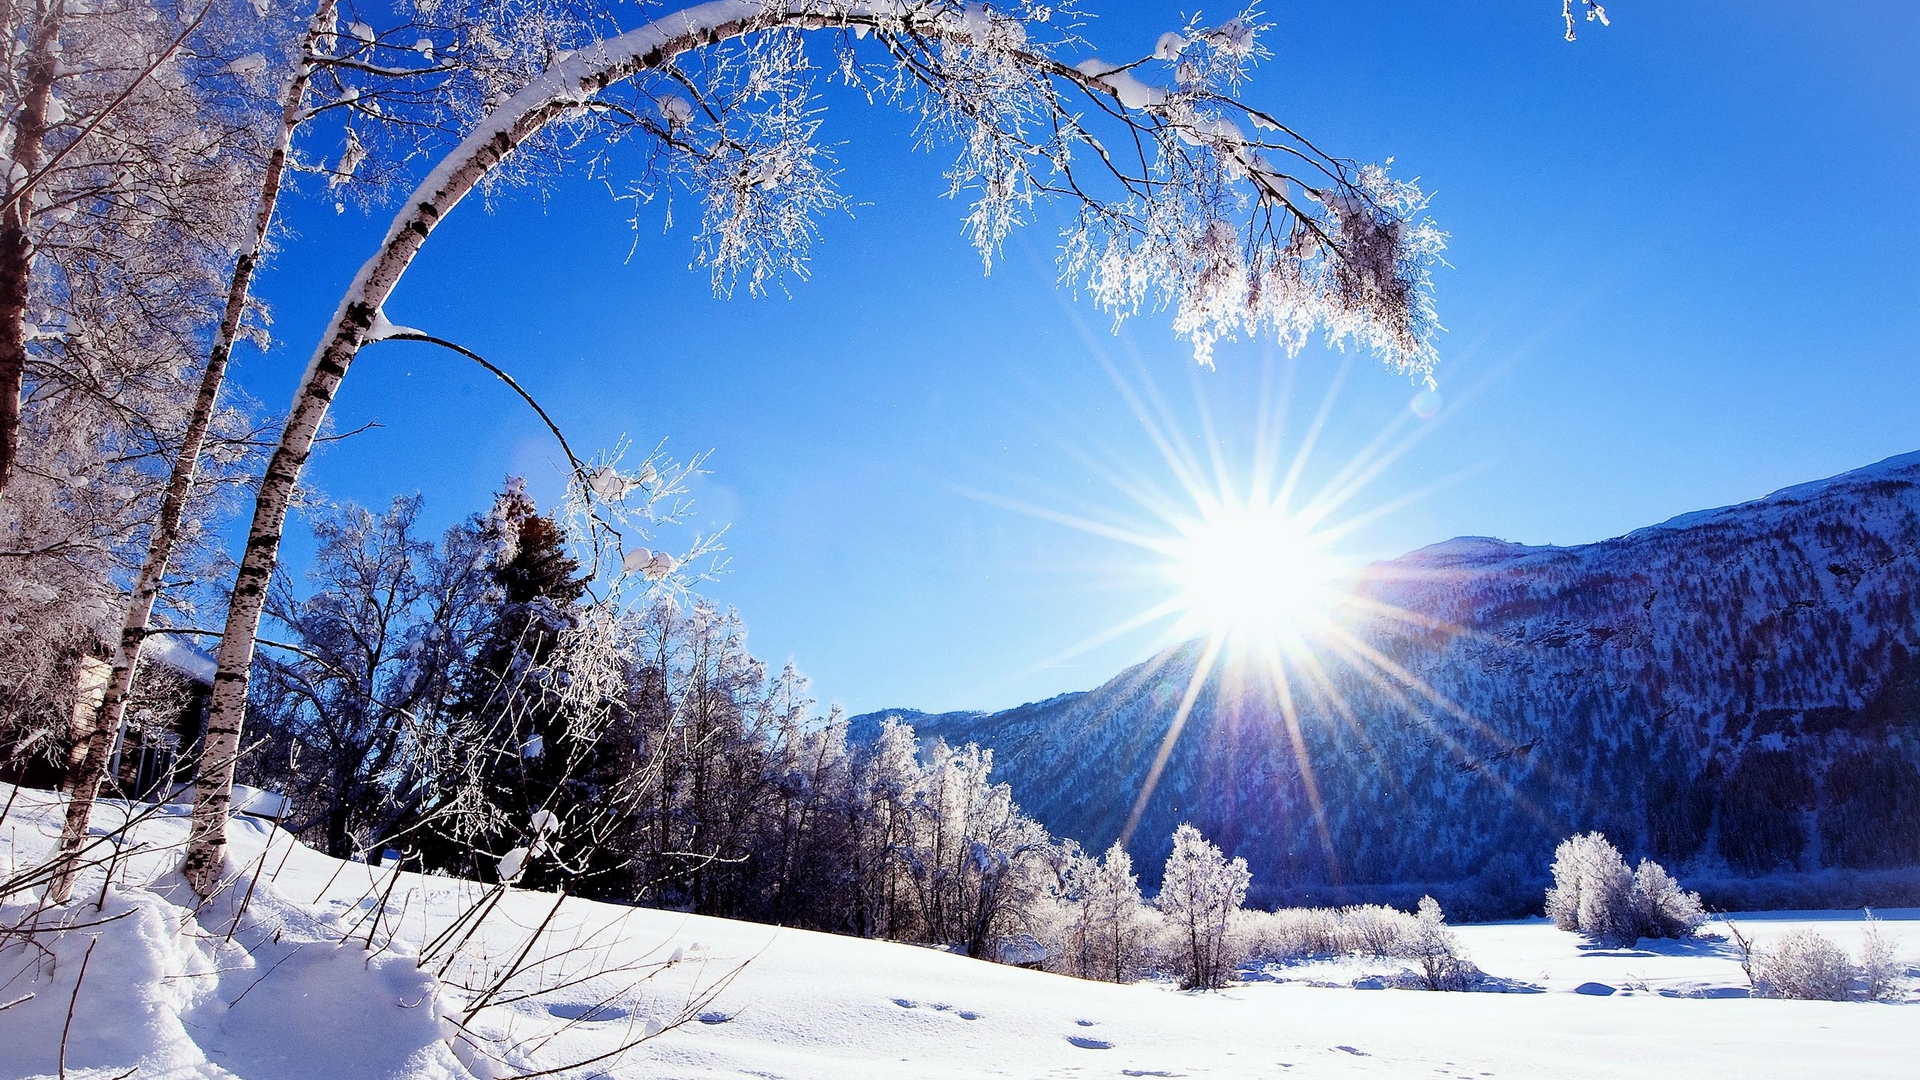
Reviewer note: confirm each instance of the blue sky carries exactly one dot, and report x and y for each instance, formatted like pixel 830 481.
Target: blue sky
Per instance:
pixel 1683 275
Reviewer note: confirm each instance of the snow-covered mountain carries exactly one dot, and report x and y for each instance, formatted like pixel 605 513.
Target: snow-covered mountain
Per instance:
pixel 1735 691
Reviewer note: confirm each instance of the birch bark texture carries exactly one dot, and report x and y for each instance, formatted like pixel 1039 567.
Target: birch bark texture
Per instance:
pixel 16 245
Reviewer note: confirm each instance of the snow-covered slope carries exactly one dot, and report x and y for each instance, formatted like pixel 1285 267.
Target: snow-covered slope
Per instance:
pixel 1736 691
pixel 166 992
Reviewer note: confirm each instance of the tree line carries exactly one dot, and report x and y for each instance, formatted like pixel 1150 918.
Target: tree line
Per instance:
pixel 452 703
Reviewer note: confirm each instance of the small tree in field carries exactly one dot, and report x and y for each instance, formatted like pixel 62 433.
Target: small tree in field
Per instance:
pixel 1435 948
pixel 1116 916
pixel 1883 975
pixel 1200 894
pixel 1106 926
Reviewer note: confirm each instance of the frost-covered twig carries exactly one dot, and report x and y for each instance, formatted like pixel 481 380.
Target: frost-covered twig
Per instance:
pixel 1594 13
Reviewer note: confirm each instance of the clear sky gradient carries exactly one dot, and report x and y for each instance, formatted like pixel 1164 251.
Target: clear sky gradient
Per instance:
pixel 1683 275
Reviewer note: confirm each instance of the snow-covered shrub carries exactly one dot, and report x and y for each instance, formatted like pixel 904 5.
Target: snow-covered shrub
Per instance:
pixel 1808 965
pixel 1662 908
pixel 1299 933
pixel 1591 886
pixel 1200 895
pixel 1595 894
pixel 1882 977
pixel 1435 950
pixel 1374 929
pixel 1286 934
pixel 1804 964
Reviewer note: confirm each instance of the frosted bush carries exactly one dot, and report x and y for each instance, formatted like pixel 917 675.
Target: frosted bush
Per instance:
pixel 1300 933
pixel 1287 934
pixel 1884 978
pixel 1661 907
pixel 1596 895
pixel 1374 929
pixel 1435 951
pixel 1806 965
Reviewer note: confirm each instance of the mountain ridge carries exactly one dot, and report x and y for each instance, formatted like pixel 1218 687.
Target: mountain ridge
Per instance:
pixel 1733 690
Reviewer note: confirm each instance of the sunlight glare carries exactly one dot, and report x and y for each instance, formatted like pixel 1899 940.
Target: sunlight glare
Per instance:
pixel 1250 573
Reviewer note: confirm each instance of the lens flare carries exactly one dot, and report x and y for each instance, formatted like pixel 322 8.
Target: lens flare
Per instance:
pixel 1251 574
pixel 1252 595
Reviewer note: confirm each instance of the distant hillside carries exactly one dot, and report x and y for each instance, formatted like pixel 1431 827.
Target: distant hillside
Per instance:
pixel 1735 691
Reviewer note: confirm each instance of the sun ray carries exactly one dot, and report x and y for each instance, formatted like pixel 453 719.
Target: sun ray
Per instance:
pixel 1322 681
pixel 1277 671
pixel 1419 686
pixel 1374 606
pixel 1120 629
pixel 1284 496
pixel 1353 523
pixel 1175 455
pixel 1074 521
pixel 1463 756
pixel 1269 425
pixel 1201 670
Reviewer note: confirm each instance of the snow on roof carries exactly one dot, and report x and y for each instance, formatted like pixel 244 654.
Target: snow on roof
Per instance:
pixel 173 652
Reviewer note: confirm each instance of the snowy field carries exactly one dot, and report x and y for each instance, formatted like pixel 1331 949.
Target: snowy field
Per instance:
pixel 284 998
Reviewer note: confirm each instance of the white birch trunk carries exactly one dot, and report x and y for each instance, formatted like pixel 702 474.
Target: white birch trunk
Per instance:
pixel 560 90
pixel 16 246
pixel 83 781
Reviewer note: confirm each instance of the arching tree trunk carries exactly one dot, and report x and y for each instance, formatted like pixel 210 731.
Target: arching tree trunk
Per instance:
pixel 555 93
pixel 16 247
pixel 83 781
pixel 917 26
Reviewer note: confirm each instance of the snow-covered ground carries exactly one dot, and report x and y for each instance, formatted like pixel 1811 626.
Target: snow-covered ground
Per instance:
pixel 286 999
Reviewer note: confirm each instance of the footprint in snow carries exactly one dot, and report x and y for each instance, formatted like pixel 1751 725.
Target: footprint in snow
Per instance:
pixel 1085 1043
pixel 1086 1023
pixel 904 1003
pixel 968 1014
pixel 714 1017
pixel 1353 1051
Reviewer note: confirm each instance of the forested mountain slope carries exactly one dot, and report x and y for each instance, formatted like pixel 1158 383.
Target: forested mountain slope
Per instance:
pixel 1735 691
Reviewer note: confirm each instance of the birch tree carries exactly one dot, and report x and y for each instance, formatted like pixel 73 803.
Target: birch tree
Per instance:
pixel 119 209
pixel 393 88
pixel 1173 204
pixel 100 111
pixel 89 766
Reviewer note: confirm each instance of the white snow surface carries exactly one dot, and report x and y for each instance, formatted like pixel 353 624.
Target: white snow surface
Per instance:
pixel 165 992
pixel 173 652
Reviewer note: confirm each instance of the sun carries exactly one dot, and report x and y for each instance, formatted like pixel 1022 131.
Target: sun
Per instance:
pixel 1250 573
